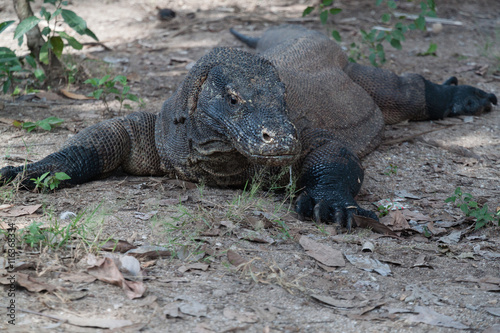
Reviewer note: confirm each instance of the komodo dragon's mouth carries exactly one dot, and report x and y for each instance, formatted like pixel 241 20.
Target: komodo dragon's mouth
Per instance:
pixel 273 160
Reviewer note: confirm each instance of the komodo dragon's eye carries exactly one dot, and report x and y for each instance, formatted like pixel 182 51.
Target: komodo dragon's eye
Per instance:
pixel 233 97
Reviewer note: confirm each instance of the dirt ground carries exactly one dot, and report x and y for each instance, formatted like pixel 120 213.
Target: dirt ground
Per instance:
pixel 304 277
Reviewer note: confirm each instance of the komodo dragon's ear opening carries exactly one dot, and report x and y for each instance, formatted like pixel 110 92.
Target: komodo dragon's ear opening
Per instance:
pixel 193 98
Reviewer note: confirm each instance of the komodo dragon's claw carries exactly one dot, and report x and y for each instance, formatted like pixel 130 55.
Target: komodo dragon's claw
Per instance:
pixel 330 208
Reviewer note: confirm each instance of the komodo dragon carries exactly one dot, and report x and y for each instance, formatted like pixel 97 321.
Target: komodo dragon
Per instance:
pixel 299 103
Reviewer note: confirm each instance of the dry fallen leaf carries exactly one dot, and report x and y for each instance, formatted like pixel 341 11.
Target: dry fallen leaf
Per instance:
pixel 241 316
pixel 79 277
pixel 149 252
pixel 106 270
pixel 20 211
pixel 32 284
pixel 323 253
pixel 340 303
pixel 428 316
pixel 48 96
pixel 194 266
pixel 236 260
pixel 368 223
pixel 72 95
pixel 369 264
pixel 396 221
pixel 117 246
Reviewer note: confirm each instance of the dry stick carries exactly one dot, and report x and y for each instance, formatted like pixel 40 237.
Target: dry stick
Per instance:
pixel 44 315
pixel 458 150
pixel 31 144
pixel 413 136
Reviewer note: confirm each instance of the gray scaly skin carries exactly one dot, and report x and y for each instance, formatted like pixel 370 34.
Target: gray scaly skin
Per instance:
pixel 299 104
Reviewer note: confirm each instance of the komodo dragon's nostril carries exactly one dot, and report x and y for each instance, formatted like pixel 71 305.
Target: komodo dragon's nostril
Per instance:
pixel 266 136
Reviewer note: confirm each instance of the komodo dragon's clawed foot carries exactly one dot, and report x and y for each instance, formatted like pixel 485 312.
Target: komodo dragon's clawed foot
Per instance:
pixel 331 207
pixel 450 99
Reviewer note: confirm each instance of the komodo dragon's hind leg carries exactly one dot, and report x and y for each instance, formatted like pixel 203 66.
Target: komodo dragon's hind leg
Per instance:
pixel 411 97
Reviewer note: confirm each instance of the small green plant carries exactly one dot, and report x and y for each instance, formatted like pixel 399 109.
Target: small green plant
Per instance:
pixel 33 234
pixel 391 170
pixel 54 38
pixel 46 124
pixel 383 210
pixel 469 206
pixel 106 86
pixel 376 37
pixel 324 11
pixel 48 182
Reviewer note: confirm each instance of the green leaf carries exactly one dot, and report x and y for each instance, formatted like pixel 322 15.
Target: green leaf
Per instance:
pixel 307 11
pixel 323 17
pixel 420 23
pixel 57 12
pixel 396 44
pixel 29 126
pixel 432 49
pixel 392 4
pixel 5 25
pixel 132 97
pixel 44 125
pixel 113 90
pixel 71 41
pixel 373 59
pixel 74 21
pixel 97 93
pixel 336 36
pixel 31 61
pixel 42 177
pixel 62 176
pixel 378 2
pixel 126 89
pixel 45 14
pixel 120 78
pixel 54 120
pixel 6 85
pixel 92 81
pixel 104 79
pixel 327 2
pixel 89 32
pixel 396 34
pixel 451 199
pixel 335 11
pixel 57 45
pixel 39 74
pixel 25 26
pixel 386 17
pixel 44 53
pixel 464 208
pixel 46 31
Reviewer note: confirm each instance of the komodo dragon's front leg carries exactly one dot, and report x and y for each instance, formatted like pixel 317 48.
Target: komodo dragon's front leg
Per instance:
pixel 331 177
pixel 126 142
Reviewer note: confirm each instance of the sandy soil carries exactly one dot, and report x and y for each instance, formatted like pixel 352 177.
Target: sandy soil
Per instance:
pixel 441 283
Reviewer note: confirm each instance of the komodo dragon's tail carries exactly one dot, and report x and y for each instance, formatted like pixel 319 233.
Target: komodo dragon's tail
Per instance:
pixel 250 41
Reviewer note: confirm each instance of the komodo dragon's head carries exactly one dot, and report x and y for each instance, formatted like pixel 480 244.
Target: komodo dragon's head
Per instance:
pixel 234 102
